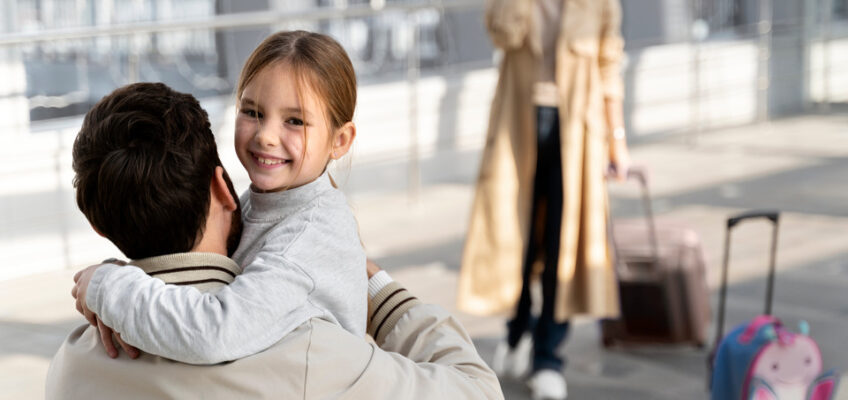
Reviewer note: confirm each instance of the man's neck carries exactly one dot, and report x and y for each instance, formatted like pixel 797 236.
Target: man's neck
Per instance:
pixel 211 246
pixel 213 239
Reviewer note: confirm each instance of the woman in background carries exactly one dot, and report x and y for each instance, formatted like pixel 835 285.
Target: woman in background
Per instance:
pixel 555 128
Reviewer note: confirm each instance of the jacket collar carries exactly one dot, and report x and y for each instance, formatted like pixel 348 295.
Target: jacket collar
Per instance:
pixel 205 271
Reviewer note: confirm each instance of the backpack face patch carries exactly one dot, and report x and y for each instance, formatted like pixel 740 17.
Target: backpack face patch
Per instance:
pixel 792 363
pixel 789 363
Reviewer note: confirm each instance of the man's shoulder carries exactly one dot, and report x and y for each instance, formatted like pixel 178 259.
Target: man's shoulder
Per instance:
pixel 329 337
pixel 332 348
pixel 81 369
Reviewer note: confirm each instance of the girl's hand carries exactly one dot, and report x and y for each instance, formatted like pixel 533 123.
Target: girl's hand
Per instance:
pixel 372 268
pixel 79 291
pixel 107 335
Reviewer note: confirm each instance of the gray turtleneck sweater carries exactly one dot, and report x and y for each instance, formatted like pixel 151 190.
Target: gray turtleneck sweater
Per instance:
pixel 302 258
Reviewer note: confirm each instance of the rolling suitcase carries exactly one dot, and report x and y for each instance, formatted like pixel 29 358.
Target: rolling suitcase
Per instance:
pixel 662 281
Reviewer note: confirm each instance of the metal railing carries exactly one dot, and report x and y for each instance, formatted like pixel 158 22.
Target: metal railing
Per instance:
pixel 233 21
pixel 762 32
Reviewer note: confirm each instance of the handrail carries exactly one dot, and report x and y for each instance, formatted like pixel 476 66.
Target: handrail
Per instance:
pixel 227 21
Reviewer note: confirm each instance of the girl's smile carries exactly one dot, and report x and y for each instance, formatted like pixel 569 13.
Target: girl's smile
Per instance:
pixel 266 161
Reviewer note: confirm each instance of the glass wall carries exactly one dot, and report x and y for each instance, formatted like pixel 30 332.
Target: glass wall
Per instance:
pixel 66 77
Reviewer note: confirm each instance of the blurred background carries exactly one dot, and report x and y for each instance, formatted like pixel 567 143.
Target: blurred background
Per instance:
pixel 731 104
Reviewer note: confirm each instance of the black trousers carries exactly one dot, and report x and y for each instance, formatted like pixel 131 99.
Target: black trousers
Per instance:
pixel 544 237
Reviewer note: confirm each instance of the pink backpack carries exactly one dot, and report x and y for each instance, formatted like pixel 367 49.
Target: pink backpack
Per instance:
pixel 761 360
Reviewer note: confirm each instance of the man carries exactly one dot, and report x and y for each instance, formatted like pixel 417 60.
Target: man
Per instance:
pixel 148 178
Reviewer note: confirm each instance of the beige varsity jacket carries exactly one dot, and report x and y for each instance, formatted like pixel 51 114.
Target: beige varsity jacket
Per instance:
pixel 421 352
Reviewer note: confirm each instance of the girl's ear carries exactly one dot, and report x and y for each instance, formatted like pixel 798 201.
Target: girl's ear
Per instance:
pixel 342 140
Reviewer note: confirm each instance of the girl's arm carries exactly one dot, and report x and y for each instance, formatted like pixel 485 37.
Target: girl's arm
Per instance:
pixel 268 300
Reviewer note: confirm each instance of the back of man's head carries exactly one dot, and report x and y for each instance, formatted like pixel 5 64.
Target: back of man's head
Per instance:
pixel 144 159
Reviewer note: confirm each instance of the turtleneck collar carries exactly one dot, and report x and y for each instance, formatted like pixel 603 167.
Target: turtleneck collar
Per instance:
pixel 275 206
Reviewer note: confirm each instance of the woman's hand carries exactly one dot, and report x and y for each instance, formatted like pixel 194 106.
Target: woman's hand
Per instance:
pixel 619 159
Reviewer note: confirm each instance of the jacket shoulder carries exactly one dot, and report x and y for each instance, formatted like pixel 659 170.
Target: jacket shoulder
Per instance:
pixel 331 348
pixel 81 370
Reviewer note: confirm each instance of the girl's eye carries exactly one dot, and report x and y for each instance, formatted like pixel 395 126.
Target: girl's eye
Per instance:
pixel 295 121
pixel 250 113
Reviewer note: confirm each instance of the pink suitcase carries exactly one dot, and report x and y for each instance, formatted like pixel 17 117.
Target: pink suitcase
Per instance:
pixel 662 281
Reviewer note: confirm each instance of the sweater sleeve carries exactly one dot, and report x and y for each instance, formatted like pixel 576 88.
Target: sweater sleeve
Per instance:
pixel 611 51
pixel 424 353
pixel 265 302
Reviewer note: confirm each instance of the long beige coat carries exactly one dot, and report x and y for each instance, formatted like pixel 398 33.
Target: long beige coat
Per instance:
pixel 589 50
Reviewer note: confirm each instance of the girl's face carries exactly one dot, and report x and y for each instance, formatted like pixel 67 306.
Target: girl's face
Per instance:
pixel 270 138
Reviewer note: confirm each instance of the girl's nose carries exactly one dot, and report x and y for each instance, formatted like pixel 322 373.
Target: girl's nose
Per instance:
pixel 266 136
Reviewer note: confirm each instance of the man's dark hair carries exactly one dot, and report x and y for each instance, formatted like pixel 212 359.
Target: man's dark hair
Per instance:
pixel 144 159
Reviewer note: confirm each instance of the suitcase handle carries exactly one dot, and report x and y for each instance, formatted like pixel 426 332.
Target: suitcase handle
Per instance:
pixel 771 215
pixel 732 222
pixel 639 174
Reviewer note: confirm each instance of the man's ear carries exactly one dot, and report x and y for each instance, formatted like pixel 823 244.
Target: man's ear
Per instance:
pixel 220 191
pixel 342 140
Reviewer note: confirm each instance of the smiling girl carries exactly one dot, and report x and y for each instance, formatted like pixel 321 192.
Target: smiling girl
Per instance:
pixel 300 247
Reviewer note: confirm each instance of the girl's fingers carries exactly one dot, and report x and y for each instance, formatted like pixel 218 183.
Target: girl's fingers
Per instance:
pixel 79 307
pixel 106 339
pixel 131 351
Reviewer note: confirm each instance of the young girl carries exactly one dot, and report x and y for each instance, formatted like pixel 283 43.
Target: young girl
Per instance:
pixel 300 248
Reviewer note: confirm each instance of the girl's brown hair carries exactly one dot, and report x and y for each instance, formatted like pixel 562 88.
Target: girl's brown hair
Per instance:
pixel 317 60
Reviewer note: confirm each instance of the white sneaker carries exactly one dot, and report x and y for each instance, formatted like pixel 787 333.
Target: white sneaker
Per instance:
pixel 515 362
pixel 547 384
